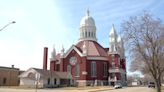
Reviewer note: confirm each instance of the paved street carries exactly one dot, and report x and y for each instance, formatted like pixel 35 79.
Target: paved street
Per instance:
pixel 131 89
pixel 128 89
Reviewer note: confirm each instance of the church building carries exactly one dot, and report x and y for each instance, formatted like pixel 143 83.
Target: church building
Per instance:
pixel 88 62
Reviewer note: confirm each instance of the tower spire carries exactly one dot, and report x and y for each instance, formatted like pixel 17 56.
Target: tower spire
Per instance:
pixel 62 52
pixel 113 39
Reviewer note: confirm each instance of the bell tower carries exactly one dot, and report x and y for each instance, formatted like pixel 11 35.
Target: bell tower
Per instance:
pixel 113 40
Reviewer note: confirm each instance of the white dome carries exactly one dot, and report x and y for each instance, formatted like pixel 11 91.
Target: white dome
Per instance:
pixel 87 21
pixel 87 28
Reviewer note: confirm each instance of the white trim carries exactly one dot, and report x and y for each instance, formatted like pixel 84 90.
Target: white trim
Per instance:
pixel 91 80
pixel 96 58
pixel 81 80
pixel 113 52
pixel 84 72
pixel 73 48
pixel 117 70
pixel 76 76
pixel 88 38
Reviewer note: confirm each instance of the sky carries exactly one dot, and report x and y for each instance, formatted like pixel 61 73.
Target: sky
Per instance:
pixel 48 23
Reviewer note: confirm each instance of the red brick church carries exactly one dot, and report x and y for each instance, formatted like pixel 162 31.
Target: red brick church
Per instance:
pixel 90 63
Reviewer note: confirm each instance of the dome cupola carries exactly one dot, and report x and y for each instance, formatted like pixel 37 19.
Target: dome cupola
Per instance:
pixel 87 20
pixel 87 28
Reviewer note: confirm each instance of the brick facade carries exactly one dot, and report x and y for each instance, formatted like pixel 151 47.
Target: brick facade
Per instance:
pixel 9 76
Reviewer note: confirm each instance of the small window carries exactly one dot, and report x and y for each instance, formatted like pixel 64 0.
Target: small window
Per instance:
pixel 4 81
pixel 54 81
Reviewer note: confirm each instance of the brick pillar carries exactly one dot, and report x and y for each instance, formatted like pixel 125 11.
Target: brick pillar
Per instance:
pixel 61 64
pixel 52 65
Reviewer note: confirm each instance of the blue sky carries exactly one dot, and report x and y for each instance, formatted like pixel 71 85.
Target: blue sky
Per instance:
pixel 41 23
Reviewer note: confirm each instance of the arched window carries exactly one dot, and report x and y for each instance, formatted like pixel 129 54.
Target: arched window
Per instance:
pixel 31 75
pixel 93 69
pixel 92 34
pixel 68 68
pixel 80 34
pixel 85 34
pixel 54 81
pixel 77 70
pixel 113 65
pixel 119 62
pixel 4 81
pixel 89 34
pixel 113 75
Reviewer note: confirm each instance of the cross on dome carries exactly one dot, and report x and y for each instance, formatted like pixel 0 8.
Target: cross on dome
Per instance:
pixel 88 11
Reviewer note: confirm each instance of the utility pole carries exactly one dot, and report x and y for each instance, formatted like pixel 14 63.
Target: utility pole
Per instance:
pixel 37 79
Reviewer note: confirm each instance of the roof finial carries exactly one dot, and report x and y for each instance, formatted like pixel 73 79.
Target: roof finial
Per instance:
pixel 88 12
pixel 62 48
pixel 53 53
pixel 113 25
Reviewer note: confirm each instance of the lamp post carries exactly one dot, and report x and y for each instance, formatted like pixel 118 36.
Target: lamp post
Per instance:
pixel 7 25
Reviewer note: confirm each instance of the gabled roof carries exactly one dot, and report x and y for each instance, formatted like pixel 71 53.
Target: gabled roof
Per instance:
pixel 73 47
pixel 93 48
pixel 47 73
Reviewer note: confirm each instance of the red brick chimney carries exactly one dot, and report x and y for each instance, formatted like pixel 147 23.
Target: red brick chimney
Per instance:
pixel 45 56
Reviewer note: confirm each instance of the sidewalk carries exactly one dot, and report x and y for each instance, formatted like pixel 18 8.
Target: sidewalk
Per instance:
pixel 85 89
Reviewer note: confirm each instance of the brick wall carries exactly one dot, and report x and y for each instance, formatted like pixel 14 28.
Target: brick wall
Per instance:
pixel 9 76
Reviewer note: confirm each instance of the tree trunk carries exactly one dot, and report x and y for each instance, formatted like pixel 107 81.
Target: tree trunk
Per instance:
pixel 158 86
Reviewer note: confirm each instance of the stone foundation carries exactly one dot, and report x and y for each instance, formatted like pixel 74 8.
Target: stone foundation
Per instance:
pixel 82 83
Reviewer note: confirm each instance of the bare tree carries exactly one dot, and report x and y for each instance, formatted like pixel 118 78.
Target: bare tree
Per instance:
pixel 144 38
